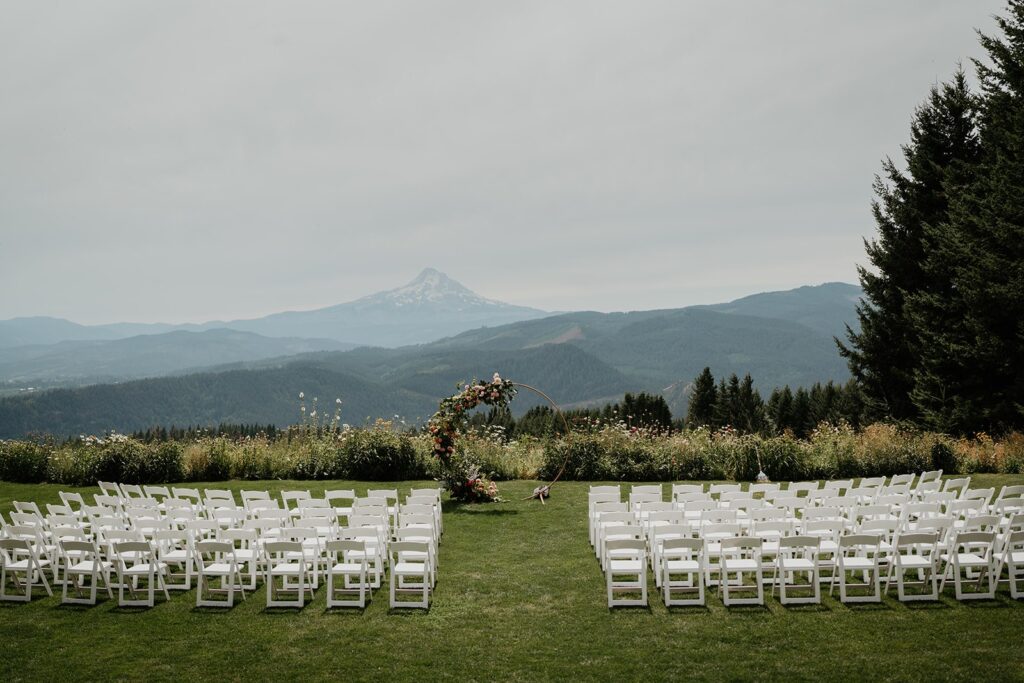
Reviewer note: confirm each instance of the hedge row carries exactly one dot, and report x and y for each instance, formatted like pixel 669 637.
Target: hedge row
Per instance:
pixel 378 454
pixel 364 454
pixel 829 453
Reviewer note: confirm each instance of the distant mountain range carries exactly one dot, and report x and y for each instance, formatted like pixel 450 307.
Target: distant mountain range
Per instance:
pixel 429 307
pixel 579 358
pixel 70 363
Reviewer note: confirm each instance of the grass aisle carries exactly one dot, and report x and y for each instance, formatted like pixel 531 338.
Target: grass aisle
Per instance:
pixel 520 597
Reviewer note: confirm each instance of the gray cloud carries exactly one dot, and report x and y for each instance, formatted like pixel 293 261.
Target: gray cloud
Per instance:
pixel 187 161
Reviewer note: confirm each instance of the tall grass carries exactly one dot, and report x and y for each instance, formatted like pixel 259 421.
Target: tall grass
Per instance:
pixel 379 452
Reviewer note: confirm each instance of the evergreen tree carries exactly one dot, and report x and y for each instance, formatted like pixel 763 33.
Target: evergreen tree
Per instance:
pixel 780 410
pixel 800 415
pixel 850 404
pixel 751 407
pixel 701 411
pixel 884 356
pixel 727 407
pixel 971 374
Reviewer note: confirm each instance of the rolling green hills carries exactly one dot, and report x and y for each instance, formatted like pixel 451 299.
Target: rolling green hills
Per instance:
pixel 387 383
pixel 578 358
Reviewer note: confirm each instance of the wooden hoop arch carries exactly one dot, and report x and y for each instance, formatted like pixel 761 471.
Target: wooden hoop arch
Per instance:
pixel 542 492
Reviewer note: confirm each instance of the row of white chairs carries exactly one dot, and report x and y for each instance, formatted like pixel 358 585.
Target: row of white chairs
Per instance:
pixel 213 501
pixel 149 547
pixel 693 517
pixel 699 507
pixel 799 565
pixel 811 494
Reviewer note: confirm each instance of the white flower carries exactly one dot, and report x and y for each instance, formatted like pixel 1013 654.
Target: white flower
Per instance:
pixel 313 414
pixel 497 378
pixel 302 394
pixel 338 401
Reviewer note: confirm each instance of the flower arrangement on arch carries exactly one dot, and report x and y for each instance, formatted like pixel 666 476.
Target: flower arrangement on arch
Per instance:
pixel 465 482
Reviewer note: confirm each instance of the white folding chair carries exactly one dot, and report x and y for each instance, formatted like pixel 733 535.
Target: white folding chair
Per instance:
pixel 132 491
pixel 249 496
pixel 915 552
pixel 901 480
pixel 136 562
pixel 75 501
pixel 971 558
pixel 626 571
pixel 797 555
pixel 348 561
pixel 740 556
pixel 682 558
pixel 600 508
pixel 216 560
pixel 719 489
pixel 192 495
pixel 434 494
pixel 390 498
pixel 216 500
pixel 83 561
pixel 157 493
pixel 64 559
pixel 32 528
pixel 679 490
pixel 285 560
pixel 110 488
pixel 373 551
pixel 858 553
pixel 657 534
pixel 21 556
pixel 420 528
pixel 410 573
pixel 647 489
pixel 312 550
pixel 636 499
pixel 247 553
pixel 612 519
pixel 174 549
pixel 829 531
pixel 1013 560
pixel 341 501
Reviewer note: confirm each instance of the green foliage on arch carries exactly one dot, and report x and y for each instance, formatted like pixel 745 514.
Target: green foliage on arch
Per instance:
pixel 462 478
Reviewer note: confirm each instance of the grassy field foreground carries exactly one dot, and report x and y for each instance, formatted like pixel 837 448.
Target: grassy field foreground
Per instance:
pixel 520 597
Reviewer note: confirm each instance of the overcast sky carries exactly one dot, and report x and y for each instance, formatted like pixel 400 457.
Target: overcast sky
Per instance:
pixel 181 161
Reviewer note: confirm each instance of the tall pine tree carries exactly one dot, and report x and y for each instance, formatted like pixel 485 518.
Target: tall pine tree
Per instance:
pixel 971 373
pixel 884 356
pixel 701 410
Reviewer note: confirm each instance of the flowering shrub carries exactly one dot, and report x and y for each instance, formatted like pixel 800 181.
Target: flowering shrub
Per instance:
pixel 475 489
pixel 462 477
pixel 608 453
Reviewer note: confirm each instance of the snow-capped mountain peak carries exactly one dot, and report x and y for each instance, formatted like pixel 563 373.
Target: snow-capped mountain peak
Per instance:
pixel 430 287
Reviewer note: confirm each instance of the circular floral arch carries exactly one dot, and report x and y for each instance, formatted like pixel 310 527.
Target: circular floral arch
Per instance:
pixel 463 480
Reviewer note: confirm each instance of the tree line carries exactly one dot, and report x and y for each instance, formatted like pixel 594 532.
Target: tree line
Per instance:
pixel 941 335
pixel 640 411
pixel 233 431
pixel 736 404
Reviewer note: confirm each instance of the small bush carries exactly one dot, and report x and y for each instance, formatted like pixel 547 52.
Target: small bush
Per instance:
pixel 585 457
pixel 378 454
pixel 207 460
pixel 23 462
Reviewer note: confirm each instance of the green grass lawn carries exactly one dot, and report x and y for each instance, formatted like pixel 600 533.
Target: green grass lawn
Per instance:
pixel 520 597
